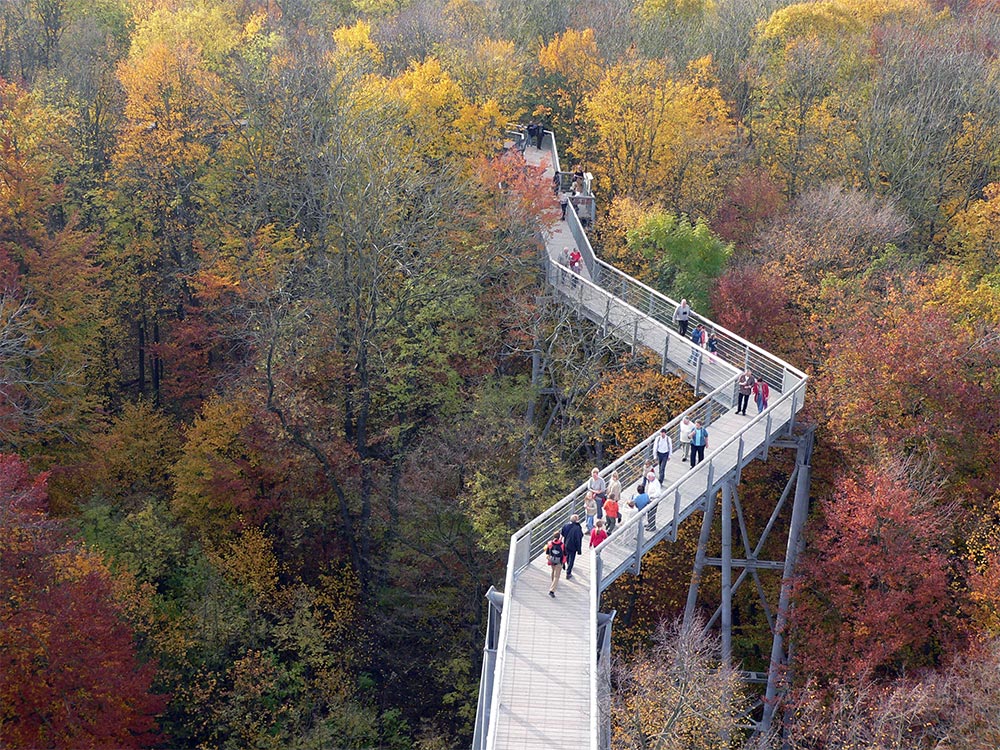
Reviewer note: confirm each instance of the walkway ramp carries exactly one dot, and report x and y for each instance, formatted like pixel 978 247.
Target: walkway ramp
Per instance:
pixel 540 686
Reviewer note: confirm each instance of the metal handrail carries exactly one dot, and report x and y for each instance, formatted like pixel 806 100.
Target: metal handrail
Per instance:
pixel 735 354
pixel 705 467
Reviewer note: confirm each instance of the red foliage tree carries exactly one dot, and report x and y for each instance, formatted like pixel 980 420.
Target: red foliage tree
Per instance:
pixel 755 305
pixel 70 676
pixel 873 596
pixel 751 201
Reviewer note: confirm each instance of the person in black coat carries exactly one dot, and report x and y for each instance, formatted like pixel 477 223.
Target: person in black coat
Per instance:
pixel 572 534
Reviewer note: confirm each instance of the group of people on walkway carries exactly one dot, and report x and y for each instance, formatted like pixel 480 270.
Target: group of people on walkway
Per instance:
pixel 572 259
pixel 602 503
pixel 700 336
pixel 533 132
pixel 747 385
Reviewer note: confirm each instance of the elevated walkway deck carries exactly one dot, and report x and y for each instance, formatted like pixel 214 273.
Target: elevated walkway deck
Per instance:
pixel 540 684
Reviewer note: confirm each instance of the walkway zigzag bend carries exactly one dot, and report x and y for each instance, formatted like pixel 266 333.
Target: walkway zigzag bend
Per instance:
pixel 540 685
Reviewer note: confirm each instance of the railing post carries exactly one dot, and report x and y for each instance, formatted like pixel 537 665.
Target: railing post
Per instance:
pixel 697 371
pixel 791 417
pixel 767 436
pixel 677 512
pixel 640 529
pixel 666 348
pixel 635 335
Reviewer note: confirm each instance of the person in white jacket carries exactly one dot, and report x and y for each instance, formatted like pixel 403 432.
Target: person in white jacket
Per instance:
pixel 663 446
pixel 687 427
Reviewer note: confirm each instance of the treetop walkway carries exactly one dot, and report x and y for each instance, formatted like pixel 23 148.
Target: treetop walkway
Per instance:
pixel 544 681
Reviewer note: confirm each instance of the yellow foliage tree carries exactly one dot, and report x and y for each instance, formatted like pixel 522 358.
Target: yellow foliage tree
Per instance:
pixel 205 482
pixel 807 59
pixel 431 100
pixel 573 67
pixel 491 70
pixel 632 403
pixel 974 240
pixel 137 454
pixel 660 139
pixel 249 560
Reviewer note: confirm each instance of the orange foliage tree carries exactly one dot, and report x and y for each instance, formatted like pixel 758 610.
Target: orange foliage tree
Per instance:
pixel 873 596
pixel 70 673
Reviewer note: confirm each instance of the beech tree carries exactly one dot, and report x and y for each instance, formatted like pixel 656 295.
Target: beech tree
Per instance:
pixel 659 137
pixel 873 596
pixel 676 695
pixel 71 676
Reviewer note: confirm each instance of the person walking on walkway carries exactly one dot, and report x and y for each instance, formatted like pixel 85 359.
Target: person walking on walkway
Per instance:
pixel 555 557
pixel 697 342
pixel 563 204
pixel 699 441
pixel 653 488
pixel 572 535
pixel 599 487
pixel 639 501
pixel 598 535
pixel 682 314
pixel 685 437
pixel 745 385
pixel 612 506
pixel 663 446
pixel 575 264
pixel 589 511
pixel 760 394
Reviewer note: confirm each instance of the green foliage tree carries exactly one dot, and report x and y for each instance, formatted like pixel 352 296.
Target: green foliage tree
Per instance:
pixel 682 259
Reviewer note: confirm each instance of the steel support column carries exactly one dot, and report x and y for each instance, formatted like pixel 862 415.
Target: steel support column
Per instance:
pixel 727 572
pixel 604 623
pixel 800 510
pixel 699 558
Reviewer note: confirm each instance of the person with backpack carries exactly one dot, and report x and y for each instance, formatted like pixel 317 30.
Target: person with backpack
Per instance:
pixel 555 557
pixel 572 534
pixel 697 343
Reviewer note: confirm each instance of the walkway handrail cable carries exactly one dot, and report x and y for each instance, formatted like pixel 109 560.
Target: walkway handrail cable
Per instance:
pixel 649 313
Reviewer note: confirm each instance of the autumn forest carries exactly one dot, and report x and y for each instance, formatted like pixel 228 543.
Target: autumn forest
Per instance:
pixel 279 375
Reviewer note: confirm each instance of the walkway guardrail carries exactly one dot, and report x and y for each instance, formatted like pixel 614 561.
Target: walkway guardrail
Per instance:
pixel 641 316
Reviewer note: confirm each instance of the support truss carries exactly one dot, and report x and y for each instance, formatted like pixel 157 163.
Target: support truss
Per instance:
pixel 749 565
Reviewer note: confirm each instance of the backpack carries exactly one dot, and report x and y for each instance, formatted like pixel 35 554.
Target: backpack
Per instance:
pixel 556 554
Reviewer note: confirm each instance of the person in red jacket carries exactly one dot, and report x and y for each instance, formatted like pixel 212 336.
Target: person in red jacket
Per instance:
pixel 599 534
pixel 760 394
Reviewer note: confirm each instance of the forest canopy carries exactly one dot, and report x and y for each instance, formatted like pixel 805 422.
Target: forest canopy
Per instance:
pixel 279 376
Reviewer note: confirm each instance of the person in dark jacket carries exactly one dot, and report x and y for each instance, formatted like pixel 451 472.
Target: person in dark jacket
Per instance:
pixel 572 534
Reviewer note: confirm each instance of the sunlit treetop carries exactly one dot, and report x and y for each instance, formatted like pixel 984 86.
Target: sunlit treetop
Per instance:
pixel 210 26
pixel 837 20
